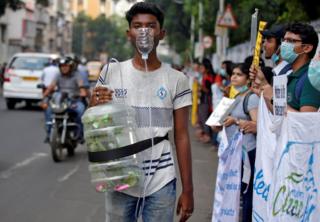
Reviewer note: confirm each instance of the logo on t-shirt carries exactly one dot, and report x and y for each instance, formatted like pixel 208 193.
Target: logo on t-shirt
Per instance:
pixel 162 93
pixel 120 93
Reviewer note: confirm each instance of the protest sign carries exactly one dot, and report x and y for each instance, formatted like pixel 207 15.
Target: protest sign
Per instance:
pixel 228 184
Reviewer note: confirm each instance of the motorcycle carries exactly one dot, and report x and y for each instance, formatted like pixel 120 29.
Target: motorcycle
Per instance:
pixel 65 131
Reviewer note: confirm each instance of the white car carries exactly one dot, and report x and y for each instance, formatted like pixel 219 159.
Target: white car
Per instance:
pixel 22 75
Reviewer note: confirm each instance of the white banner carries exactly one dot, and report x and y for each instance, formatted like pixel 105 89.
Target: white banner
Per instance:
pixel 265 151
pixel 294 193
pixel 228 184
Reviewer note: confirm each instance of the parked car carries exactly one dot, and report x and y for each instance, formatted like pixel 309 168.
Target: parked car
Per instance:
pixel 94 68
pixel 22 75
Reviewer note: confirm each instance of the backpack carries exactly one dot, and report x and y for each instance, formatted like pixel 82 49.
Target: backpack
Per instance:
pixel 245 103
pixel 299 86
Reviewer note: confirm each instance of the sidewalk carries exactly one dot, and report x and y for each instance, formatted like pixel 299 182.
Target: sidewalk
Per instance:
pixel 204 163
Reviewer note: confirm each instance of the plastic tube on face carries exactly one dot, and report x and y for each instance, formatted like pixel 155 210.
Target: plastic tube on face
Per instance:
pixel 144 42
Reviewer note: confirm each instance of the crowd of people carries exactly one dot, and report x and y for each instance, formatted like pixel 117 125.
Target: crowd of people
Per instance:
pixel 291 48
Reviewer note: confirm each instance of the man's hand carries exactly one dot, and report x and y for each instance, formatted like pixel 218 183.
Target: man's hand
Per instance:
pixel 248 126
pixel 100 95
pixel 185 206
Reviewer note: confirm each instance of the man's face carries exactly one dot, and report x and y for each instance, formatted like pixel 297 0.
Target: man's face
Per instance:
pixel 65 69
pixel 269 46
pixel 296 40
pixel 145 21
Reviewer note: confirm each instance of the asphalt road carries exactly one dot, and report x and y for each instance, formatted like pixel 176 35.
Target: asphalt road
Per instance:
pixel 35 189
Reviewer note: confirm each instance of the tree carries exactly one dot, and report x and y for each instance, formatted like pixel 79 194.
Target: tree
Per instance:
pixel 101 35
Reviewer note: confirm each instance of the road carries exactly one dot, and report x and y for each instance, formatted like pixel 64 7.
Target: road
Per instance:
pixel 35 189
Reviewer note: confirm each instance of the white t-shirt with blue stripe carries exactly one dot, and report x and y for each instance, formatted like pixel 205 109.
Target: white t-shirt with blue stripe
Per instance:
pixel 160 91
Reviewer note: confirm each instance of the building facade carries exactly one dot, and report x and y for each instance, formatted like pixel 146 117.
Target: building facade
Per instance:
pixel 35 28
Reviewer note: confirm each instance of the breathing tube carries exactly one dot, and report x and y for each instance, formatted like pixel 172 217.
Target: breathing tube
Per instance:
pixel 144 44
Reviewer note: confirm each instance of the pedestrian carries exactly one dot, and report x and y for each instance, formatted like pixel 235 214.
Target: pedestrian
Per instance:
pixel 165 93
pixel 298 48
pixel 49 74
pixel 205 106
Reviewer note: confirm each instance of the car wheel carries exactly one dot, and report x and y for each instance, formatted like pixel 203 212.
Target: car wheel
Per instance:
pixel 10 104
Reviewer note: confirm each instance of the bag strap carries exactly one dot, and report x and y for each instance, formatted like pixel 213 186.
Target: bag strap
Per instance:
pixel 300 84
pixel 104 156
pixel 285 69
pixel 245 103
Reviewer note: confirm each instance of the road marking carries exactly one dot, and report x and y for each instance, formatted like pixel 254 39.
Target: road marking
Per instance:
pixel 6 174
pixel 69 174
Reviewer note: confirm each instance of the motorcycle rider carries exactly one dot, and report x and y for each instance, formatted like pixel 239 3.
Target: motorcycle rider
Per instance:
pixel 70 83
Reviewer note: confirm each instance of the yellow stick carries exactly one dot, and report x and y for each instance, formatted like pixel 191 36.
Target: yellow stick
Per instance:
pixel 194 111
pixel 257 50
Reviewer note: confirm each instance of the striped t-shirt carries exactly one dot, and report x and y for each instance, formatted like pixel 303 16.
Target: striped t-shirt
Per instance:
pixel 160 92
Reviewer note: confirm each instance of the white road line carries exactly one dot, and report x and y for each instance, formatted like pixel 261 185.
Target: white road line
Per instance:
pixel 6 174
pixel 69 174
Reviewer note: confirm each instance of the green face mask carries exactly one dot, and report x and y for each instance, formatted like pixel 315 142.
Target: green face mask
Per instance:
pixel 314 74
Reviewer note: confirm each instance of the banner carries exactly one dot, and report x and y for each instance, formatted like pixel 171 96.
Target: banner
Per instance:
pixel 294 193
pixel 265 151
pixel 228 184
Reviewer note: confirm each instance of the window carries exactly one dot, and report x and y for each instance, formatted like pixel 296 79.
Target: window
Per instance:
pixel 3 33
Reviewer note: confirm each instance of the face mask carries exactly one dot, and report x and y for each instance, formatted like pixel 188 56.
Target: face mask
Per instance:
pixel 223 72
pixel 241 89
pixel 314 74
pixel 287 52
pixel 275 58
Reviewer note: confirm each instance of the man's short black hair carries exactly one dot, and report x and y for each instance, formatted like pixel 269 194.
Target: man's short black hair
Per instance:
pixel 307 34
pixel 145 8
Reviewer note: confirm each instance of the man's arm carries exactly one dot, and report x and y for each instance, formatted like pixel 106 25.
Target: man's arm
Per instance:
pixel 182 142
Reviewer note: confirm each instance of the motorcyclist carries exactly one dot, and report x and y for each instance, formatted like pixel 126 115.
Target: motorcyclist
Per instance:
pixel 70 83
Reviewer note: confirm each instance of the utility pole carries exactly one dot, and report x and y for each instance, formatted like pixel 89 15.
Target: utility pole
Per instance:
pixel 200 26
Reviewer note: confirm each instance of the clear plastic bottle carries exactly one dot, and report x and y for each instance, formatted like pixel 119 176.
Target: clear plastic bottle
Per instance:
pixel 106 127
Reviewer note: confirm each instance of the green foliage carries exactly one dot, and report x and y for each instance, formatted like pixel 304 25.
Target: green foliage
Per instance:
pixel 178 17
pixel 101 35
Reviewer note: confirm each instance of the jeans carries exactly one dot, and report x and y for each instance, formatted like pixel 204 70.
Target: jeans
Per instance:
pixel 157 207
pixel 77 106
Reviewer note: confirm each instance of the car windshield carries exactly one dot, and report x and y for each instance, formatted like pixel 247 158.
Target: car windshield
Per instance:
pixel 29 63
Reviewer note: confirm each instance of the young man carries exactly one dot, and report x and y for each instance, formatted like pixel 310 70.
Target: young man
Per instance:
pixel 165 93
pixel 298 48
pixel 272 41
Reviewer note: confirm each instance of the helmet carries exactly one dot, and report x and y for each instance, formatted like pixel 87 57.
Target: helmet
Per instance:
pixel 66 61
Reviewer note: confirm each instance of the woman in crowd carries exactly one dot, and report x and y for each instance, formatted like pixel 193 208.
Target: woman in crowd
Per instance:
pixel 243 117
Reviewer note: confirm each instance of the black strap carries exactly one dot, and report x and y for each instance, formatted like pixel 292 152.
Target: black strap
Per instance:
pixel 246 102
pixel 104 156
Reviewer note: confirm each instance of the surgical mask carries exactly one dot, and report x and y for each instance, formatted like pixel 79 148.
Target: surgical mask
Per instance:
pixel 275 58
pixel 287 52
pixel 222 72
pixel 144 41
pixel 314 74
pixel 241 89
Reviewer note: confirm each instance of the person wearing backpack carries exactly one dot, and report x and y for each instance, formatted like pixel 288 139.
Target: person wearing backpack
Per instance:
pixel 298 47
pixel 244 112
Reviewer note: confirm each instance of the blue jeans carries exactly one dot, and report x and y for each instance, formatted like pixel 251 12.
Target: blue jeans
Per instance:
pixel 79 108
pixel 157 207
